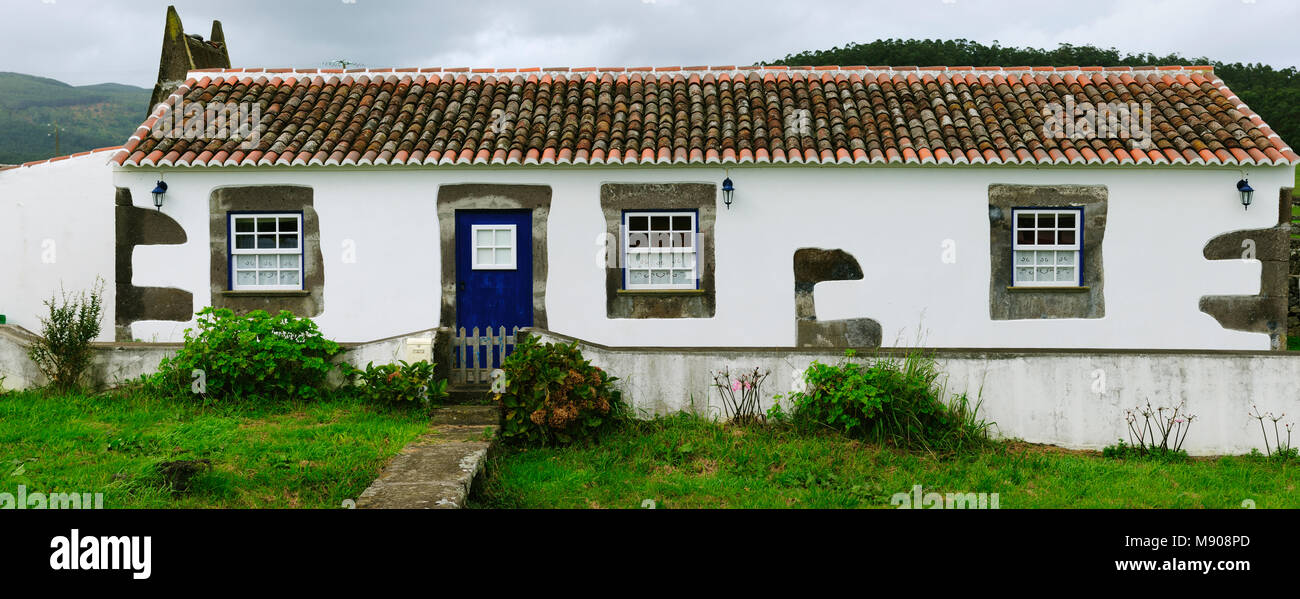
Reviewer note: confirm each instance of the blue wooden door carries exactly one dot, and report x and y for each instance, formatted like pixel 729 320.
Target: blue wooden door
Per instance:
pixel 494 272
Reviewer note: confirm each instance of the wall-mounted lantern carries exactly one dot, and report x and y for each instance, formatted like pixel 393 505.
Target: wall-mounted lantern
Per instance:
pixel 158 192
pixel 1246 191
pixel 727 191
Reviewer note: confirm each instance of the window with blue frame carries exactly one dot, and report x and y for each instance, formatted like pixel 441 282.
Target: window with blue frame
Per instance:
pixel 1048 247
pixel 266 251
pixel 660 250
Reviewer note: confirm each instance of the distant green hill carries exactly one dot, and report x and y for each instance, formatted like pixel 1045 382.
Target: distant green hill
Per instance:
pixel 1274 93
pixel 89 116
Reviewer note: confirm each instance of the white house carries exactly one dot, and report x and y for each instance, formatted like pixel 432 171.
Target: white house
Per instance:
pixel 959 207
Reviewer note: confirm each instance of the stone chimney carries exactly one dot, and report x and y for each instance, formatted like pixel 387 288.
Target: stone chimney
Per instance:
pixel 183 52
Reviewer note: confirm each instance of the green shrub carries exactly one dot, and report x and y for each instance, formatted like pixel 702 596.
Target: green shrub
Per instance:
pixel 400 384
pixel 256 357
pixel 886 402
pixel 553 396
pixel 63 352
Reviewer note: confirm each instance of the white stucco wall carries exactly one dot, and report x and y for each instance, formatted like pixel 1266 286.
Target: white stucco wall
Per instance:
pixel 893 220
pixel 56 231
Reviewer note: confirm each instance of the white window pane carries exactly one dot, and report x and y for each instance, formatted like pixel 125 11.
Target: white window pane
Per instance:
pixel 638 277
pixel 288 277
pixel 1046 258
pixel 266 278
pixel 245 261
pixel 244 242
pixel 245 277
pixel 637 260
pixel 483 238
pixel 504 256
pixel 267 262
pixel 1065 258
pixel 1024 274
pixel 1046 274
pixel 1065 274
pixel 504 239
pixel 682 277
pixel 1024 258
pixel 288 261
pixel 659 277
pixel 484 256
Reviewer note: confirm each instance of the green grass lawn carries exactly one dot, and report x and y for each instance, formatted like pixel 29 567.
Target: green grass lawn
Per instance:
pixel 296 455
pixel 686 462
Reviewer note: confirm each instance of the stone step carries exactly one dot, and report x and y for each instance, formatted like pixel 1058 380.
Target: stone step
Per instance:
pixel 436 471
pixel 469 395
pixel 466 415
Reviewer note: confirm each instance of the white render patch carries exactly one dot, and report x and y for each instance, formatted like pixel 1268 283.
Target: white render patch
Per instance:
pixel 383 272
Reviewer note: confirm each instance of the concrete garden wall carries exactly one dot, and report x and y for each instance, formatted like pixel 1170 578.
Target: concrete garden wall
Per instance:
pixel 1070 398
pixel 116 363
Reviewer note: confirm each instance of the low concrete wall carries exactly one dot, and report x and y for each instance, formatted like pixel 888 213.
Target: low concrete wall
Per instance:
pixel 382 351
pixel 1070 398
pixel 116 363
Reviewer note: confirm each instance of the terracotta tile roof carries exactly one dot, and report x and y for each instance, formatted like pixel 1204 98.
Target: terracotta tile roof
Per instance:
pixel 77 155
pixel 703 115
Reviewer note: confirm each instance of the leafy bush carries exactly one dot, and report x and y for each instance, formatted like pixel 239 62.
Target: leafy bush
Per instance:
pixel 886 402
pixel 63 352
pixel 400 383
pixel 256 356
pixel 553 396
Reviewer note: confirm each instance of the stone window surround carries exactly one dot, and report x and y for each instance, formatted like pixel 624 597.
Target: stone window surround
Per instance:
pixel 308 302
pixel 1008 302
pixel 617 198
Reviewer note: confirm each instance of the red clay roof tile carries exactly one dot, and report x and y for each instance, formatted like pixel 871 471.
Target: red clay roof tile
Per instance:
pixel 644 115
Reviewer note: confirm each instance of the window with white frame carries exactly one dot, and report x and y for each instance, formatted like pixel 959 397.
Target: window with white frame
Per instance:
pixel 1047 247
pixel 494 247
pixel 659 250
pixel 266 252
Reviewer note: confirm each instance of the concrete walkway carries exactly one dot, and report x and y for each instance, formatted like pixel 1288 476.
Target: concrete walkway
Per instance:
pixel 437 469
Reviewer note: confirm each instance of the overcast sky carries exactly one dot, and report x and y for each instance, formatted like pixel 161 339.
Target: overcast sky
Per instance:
pixel 95 41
